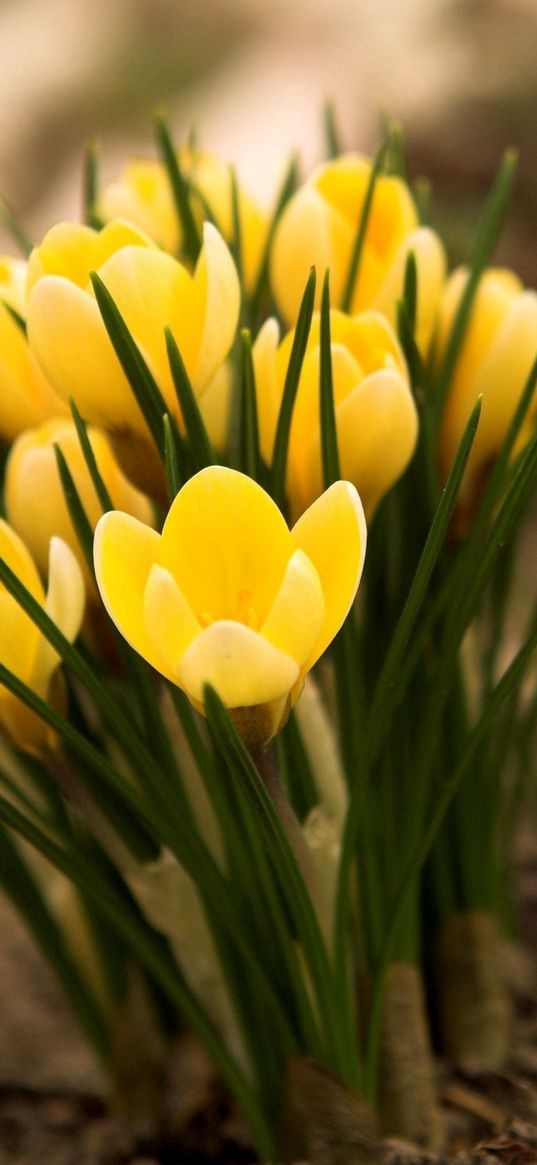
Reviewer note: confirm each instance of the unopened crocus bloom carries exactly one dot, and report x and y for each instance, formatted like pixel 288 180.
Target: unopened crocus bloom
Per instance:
pixel 142 194
pixel 376 418
pixel 318 228
pixel 25 396
pixel 497 353
pixel 23 648
pixel 227 595
pixel 34 497
pixel 152 291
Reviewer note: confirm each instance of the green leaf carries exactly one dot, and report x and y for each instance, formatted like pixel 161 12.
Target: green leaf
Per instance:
pixel 485 242
pixel 180 187
pixel 171 460
pixel 236 226
pixel 17 319
pixel 90 186
pixel 361 230
pixel 395 162
pixel 410 289
pixel 290 388
pixel 327 413
pixel 90 459
pixel 332 137
pixel 250 456
pixel 142 382
pixel 77 513
pixel 200 445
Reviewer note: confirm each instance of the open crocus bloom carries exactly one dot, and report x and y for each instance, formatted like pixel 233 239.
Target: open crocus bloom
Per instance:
pixel 152 291
pixel 25 396
pixel 376 418
pixel 23 648
pixel 228 596
pixel 142 194
pixel 318 228
pixel 495 359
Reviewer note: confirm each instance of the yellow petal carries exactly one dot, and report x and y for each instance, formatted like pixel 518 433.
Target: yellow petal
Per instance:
pixel 269 387
pixel 169 621
pixel 68 337
pixel 18 634
pixel 64 605
pixel 124 551
pixel 377 427
pixel 332 533
pixel 503 374
pixel 217 303
pixel 302 240
pixel 242 667
pixel 297 614
pixel 226 544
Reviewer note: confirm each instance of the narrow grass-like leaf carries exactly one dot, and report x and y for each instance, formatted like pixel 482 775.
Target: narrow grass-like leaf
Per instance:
pixel 509 681
pixel 395 162
pixel 19 882
pixel 332 137
pixel 361 230
pixel 485 242
pixel 90 186
pixel 171 463
pixel 200 445
pixel 90 459
pixel 290 388
pixel 288 188
pixel 421 190
pixel 327 413
pixel 236 226
pixel 289 876
pixel 13 227
pixel 387 692
pixel 180 187
pixel 77 513
pixel 15 316
pixel 410 349
pixel 142 382
pixel 250 457
pixel 410 289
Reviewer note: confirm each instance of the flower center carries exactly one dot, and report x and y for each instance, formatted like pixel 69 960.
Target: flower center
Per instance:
pixel 241 611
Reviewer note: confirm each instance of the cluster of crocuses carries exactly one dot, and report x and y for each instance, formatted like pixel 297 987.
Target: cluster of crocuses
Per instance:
pixel 202 405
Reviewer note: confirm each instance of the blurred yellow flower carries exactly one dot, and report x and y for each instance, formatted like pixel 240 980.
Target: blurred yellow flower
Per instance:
pixel 497 353
pixel 25 397
pixel 318 228
pixel 152 290
pixel 227 595
pixel 376 417
pixel 34 498
pixel 23 649
pixel 142 195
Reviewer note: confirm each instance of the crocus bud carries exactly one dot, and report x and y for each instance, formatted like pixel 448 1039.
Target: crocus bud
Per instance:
pixel 25 396
pixel 376 417
pixel 497 353
pixel 23 648
pixel 319 226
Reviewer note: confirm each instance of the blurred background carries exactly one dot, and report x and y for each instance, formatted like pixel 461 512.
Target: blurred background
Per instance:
pixel 252 76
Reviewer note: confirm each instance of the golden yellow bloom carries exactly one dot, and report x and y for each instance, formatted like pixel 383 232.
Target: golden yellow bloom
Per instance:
pixel 34 498
pixel 23 649
pixel 227 595
pixel 495 359
pixel 152 290
pixel 25 397
pixel 376 417
pixel 142 195
pixel 318 228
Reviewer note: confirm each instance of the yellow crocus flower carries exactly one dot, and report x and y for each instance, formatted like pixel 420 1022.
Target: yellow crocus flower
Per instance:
pixel 34 497
pixel 318 228
pixel 25 396
pixel 228 595
pixel 152 290
pixel 497 353
pixel 376 417
pixel 23 648
pixel 142 194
